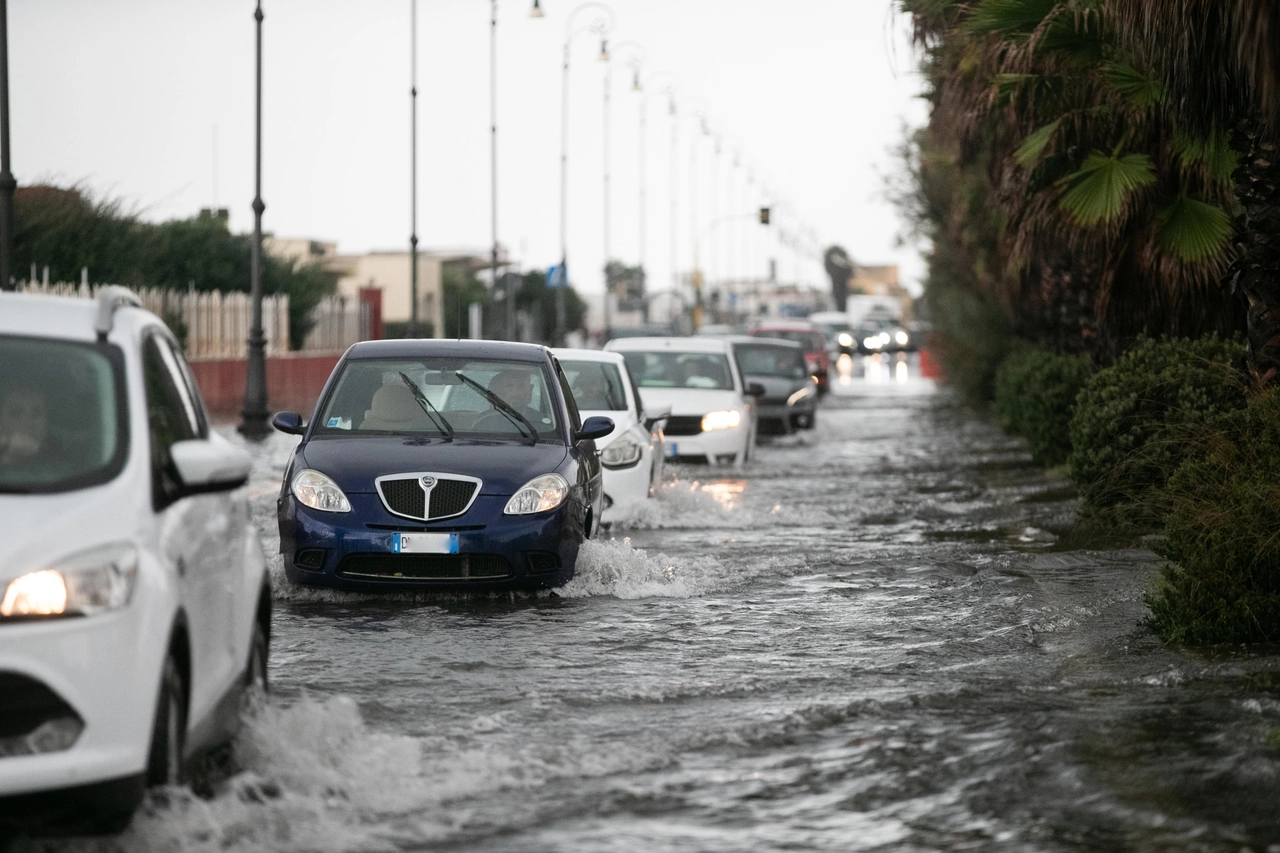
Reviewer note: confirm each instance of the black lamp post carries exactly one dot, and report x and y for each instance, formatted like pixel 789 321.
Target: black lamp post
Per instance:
pixel 254 417
pixel 7 183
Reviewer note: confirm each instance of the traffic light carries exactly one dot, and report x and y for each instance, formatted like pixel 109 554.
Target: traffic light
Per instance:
pixel 764 216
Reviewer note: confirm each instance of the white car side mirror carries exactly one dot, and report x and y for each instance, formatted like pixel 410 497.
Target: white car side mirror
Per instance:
pixel 211 464
pixel 657 413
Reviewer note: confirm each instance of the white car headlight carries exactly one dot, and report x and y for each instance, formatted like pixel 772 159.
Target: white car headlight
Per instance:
pixel 901 338
pixel 623 453
pixel 844 339
pixel 721 420
pixel 872 342
pixel 538 495
pixel 83 585
pixel 317 491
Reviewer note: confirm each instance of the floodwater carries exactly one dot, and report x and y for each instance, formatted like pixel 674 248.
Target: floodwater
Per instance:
pixel 869 638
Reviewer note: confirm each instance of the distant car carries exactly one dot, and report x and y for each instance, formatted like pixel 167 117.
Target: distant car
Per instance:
pixel 713 412
pixel 885 336
pixel 805 334
pixel 717 330
pixel 134 602
pixel 440 464
pixel 838 330
pixel 790 399
pixel 633 454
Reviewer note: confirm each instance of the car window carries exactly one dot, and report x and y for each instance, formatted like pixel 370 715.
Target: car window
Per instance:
pixel 575 417
pixel 374 397
pixel 809 340
pixel 708 370
pixel 597 385
pixel 63 414
pixel 764 360
pixel 171 417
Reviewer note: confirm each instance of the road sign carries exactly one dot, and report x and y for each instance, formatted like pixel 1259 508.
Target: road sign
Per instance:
pixel 556 277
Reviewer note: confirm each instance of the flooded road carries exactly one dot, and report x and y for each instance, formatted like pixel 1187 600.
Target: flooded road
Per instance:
pixel 868 638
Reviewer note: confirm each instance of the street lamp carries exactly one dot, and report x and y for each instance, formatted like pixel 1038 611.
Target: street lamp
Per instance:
pixel 602 24
pixel 413 169
pixel 700 113
pixel 639 85
pixel 254 416
pixel 7 182
pixel 637 61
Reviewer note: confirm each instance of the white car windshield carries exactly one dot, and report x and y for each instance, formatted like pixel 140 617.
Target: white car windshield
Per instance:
pixel 444 397
pixel 709 370
pixel 765 360
pixel 63 421
pixel 596 385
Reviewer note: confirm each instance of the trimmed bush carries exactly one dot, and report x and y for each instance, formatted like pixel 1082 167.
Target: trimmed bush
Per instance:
pixel 1035 394
pixel 1223 527
pixel 1130 422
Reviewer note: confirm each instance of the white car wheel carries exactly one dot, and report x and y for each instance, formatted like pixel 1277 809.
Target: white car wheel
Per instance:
pixel 169 732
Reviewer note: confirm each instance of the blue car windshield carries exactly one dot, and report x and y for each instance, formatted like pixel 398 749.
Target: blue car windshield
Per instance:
pixel 431 397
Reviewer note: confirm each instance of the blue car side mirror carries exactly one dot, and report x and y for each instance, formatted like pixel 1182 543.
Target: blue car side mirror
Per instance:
pixel 289 422
pixel 594 428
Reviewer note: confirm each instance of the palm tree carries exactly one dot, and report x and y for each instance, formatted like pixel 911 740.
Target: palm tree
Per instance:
pixel 1106 218
pixel 1219 63
pixel 839 268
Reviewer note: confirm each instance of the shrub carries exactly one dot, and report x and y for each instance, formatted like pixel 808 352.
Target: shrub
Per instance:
pixel 1035 393
pixel 1223 527
pixel 1130 418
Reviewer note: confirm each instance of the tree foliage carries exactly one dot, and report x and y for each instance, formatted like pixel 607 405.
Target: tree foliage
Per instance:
pixel 67 230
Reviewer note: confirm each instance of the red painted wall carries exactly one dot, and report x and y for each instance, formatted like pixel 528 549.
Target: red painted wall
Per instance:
pixel 294 382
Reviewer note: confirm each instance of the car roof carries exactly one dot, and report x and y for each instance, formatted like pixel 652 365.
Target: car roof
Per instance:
pixel 786 325
pixel 761 341
pixel 569 354
pixel 69 318
pixel 447 348
pixel 706 344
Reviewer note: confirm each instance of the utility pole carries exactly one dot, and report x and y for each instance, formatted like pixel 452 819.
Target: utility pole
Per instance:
pixel 7 182
pixel 254 417
pixel 509 298
pixel 413 170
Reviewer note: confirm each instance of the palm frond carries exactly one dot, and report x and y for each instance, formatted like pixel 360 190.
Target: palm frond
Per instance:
pixel 1098 190
pixel 1141 90
pixel 1009 18
pixel 1194 230
pixel 1213 151
pixel 1029 152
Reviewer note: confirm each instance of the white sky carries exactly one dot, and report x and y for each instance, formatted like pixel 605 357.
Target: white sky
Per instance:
pixel 125 95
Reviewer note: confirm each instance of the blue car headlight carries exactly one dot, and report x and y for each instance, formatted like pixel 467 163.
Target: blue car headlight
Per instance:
pixel 318 491
pixel 538 495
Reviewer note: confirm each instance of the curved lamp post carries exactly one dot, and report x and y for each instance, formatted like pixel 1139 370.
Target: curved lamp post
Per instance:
pixel 602 23
pixel 642 85
pixel 699 111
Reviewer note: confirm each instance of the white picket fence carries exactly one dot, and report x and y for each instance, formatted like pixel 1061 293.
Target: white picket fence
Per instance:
pixel 217 323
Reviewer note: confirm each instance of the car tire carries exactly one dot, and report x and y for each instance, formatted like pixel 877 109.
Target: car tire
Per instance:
pixel 165 759
pixel 255 677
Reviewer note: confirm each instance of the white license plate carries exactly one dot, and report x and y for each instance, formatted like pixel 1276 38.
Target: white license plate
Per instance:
pixel 673 450
pixel 424 543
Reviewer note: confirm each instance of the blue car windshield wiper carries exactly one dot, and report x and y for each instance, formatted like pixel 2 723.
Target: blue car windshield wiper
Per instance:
pixel 502 406
pixel 437 417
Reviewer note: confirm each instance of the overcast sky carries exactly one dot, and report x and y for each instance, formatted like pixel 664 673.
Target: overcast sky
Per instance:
pixel 128 96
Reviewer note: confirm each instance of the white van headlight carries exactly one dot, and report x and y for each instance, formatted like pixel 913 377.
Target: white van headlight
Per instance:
pixel 623 453
pixel 318 491
pixel 721 420
pixel 82 585
pixel 538 495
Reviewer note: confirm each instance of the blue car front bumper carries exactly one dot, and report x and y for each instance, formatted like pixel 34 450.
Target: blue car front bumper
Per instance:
pixel 355 551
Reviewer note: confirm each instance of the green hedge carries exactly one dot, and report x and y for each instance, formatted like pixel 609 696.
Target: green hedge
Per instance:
pixel 1223 527
pixel 1128 433
pixel 1035 393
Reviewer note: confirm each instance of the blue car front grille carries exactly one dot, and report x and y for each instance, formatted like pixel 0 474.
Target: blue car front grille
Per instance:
pixel 427 497
pixel 425 567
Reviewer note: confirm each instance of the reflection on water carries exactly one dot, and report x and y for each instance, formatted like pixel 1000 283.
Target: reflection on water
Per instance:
pixel 884 368
pixel 728 493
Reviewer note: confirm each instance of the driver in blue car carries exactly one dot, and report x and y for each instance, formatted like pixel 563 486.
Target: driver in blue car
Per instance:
pixel 515 387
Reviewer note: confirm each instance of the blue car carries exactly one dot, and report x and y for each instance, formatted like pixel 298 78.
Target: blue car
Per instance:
pixel 434 464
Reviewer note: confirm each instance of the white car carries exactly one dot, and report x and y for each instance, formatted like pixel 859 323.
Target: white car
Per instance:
pixel 134 604
pixel 632 455
pixel 713 414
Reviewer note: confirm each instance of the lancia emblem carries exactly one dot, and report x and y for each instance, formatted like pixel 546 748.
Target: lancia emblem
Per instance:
pixel 428 483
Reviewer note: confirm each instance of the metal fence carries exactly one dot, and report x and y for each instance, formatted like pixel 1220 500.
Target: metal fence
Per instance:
pixel 213 324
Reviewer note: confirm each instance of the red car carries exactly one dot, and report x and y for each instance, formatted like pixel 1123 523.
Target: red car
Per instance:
pixel 807 335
